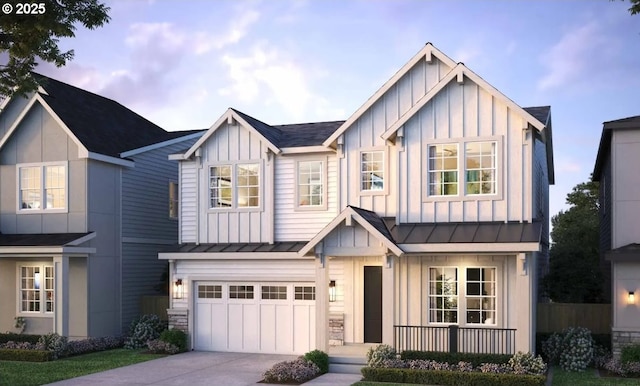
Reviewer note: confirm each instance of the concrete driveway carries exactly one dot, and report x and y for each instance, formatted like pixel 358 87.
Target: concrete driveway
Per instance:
pixel 200 368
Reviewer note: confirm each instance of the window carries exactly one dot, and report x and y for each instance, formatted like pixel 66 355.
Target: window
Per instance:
pixel 272 292
pixel 240 292
pixel 480 167
pixel 481 295
pixel 443 295
pixel 173 200
pixel 304 293
pixel 36 289
pixel 234 186
pixel 209 291
pixel 443 170
pixel 311 190
pixel 372 170
pixel 42 187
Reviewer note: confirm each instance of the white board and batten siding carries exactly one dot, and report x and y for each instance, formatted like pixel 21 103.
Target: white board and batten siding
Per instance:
pixel 188 198
pixel 292 224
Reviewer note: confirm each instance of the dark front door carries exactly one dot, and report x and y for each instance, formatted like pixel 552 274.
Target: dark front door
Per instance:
pixel 372 304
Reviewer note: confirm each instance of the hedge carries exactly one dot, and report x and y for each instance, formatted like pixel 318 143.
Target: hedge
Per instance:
pixel 11 354
pixel 11 337
pixel 450 378
pixel 453 358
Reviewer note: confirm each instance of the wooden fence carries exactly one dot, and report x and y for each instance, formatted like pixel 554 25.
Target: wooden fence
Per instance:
pixel 555 317
pixel 155 305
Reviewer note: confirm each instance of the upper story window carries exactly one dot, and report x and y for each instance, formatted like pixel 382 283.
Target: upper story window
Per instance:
pixel 36 289
pixel 311 185
pixel 467 168
pixel 173 200
pixel 234 186
pixel 42 187
pixel 372 171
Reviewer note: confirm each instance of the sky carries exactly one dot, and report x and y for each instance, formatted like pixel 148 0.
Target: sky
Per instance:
pixel 181 64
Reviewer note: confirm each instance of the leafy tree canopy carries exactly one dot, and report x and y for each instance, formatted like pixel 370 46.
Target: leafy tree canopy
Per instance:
pixel 635 6
pixel 574 265
pixel 28 38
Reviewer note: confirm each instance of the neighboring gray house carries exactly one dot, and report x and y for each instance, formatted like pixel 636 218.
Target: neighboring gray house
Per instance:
pixel 427 207
pixel 87 199
pixel 617 171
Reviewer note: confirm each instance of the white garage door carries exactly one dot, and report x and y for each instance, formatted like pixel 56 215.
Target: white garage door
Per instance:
pixel 255 317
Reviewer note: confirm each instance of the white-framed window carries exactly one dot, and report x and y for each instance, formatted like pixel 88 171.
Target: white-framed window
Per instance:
pixel 463 169
pixel 311 192
pixel 304 292
pixel 209 291
pixel 36 289
pixel 480 167
pixel 372 171
pixel 234 186
pixel 173 200
pixel 274 292
pixel 240 292
pixel 42 187
pixel 465 296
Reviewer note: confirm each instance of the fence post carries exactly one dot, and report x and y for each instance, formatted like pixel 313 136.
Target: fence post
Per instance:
pixel 453 338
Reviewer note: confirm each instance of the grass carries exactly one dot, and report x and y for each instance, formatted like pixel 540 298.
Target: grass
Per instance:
pixel 588 378
pixel 29 373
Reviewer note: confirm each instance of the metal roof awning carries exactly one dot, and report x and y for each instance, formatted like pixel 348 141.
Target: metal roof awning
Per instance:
pixel 45 243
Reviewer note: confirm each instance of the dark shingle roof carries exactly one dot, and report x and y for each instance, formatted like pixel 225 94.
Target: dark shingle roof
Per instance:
pixel 375 220
pixel 289 246
pixel 604 148
pixel 540 113
pixel 102 125
pixel 39 240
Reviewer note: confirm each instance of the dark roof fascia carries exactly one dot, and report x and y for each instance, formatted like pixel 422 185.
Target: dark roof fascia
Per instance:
pixel 604 148
pixel 275 248
pixel 40 239
pixel 543 114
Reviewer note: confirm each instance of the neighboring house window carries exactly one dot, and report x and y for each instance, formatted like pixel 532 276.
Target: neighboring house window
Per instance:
pixel 480 167
pixel 372 170
pixel 443 169
pixel 234 186
pixel 311 184
pixel 42 187
pixel 36 289
pixel 173 200
pixel 304 293
pixel 443 295
pixel 481 295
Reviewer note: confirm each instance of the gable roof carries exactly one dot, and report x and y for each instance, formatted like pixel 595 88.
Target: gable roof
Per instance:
pixel 629 123
pixel 543 114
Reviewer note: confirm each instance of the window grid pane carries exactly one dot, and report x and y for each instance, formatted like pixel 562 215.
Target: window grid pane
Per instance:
pixel 209 291
pixel 372 170
pixel 443 295
pixel 481 296
pixel 443 170
pixel 305 293
pixel 240 292
pixel 220 186
pixel 480 167
pixel 30 188
pixel 310 183
pixel 49 289
pixel 270 292
pixel 54 183
pixel 248 185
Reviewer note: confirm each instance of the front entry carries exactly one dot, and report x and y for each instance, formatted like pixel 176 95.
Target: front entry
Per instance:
pixel 372 304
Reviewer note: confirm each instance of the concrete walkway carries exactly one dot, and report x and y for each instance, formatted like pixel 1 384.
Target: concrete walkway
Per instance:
pixel 201 368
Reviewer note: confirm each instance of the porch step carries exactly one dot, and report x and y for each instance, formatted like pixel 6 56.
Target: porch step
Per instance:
pixel 346 365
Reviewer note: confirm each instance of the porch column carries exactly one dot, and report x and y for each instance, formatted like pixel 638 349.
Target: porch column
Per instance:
pixel 388 299
pixel 61 295
pixel 322 302
pixel 524 297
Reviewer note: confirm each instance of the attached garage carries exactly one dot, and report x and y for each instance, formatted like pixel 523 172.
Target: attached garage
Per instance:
pixel 256 317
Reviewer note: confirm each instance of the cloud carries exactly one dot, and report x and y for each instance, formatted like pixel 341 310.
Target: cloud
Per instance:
pixel 565 165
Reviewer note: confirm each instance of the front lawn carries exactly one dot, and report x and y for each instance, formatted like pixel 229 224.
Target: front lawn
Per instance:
pixel 30 373
pixel 588 378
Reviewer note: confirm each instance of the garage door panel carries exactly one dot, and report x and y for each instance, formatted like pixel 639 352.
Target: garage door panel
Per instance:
pixel 275 328
pixel 218 324
pixel 303 320
pixel 203 336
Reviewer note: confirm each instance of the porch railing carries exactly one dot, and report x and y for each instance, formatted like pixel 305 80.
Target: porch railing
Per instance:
pixel 455 339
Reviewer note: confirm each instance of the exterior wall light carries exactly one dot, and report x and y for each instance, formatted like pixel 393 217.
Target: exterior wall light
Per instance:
pixel 632 298
pixel 332 291
pixel 177 289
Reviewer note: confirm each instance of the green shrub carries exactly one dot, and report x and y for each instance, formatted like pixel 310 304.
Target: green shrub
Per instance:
pixel 11 337
pixel 175 337
pixel 377 355
pixel 446 378
pixel 55 343
pixel 573 349
pixel 630 353
pixel 526 363
pixel 296 371
pixel 454 358
pixel 320 358
pixel 142 330
pixel 8 354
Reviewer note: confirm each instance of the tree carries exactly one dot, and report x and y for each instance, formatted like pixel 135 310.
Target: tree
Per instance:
pixel 635 6
pixel 30 33
pixel 574 266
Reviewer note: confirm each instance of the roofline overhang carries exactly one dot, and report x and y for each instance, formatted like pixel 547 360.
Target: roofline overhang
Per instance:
pixel 159 145
pixel 470 247
pixel 306 150
pixel 38 251
pixel 108 159
pixel 177 157
pixel 232 256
